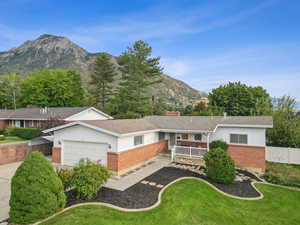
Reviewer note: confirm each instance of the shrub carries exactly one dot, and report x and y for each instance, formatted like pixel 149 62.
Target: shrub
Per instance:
pixel 218 144
pixel 25 133
pixel 219 166
pixel 66 176
pixel 2 131
pixel 88 178
pixel 36 191
pixel 2 138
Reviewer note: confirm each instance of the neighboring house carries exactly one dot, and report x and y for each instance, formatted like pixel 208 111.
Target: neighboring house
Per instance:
pixel 34 117
pixel 124 144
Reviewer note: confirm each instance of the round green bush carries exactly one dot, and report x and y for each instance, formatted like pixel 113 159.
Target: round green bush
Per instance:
pixel 220 166
pixel 88 178
pixel 218 144
pixel 36 191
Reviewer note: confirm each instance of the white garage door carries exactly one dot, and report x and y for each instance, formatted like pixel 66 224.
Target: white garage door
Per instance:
pixel 73 151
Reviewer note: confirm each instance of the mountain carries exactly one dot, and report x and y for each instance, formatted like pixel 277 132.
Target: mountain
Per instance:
pixel 50 52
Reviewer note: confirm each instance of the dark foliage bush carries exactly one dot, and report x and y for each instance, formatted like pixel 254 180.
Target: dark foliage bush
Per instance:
pixel 218 144
pixel 2 131
pixel 66 176
pixel 25 133
pixel 219 166
pixel 36 191
pixel 88 178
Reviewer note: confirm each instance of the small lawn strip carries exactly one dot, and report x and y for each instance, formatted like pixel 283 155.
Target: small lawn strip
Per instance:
pixel 193 202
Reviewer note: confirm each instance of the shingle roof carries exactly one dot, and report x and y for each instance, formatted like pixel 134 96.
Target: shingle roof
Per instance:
pixel 182 123
pixel 38 113
pixel 122 126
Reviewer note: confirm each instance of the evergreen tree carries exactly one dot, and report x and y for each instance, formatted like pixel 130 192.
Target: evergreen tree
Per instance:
pixel 139 71
pixel 102 80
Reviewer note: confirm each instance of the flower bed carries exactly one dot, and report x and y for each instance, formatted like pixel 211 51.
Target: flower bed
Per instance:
pixel 145 193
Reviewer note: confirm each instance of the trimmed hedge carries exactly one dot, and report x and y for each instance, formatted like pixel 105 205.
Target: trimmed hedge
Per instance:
pixel 218 144
pixel 220 166
pixel 25 133
pixel 36 191
pixel 88 178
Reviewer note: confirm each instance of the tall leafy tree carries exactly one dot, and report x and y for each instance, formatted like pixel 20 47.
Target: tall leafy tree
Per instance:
pixel 102 80
pixel 286 124
pixel 238 99
pixel 9 90
pixel 139 71
pixel 52 88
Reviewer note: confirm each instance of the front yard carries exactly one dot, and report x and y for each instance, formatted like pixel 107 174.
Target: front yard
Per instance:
pixel 192 202
pixel 9 139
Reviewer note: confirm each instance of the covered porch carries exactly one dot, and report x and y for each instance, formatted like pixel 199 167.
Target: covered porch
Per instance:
pixel 188 144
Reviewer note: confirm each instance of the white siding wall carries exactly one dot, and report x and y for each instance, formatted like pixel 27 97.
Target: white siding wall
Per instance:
pixel 127 142
pixel 89 114
pixel 80 133
pixel 256 136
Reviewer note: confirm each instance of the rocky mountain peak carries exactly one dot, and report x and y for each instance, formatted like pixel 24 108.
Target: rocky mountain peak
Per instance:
pixel 56 52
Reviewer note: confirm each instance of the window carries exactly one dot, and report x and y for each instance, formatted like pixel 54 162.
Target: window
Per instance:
pixel 239 138
pixel 161 136
pixel 198 137
pixel 138 140
pixel 184 136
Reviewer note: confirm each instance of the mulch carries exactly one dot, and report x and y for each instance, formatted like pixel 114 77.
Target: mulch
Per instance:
pixel 144 195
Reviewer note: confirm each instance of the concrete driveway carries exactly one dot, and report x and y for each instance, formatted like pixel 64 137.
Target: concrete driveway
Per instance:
pixel 6 173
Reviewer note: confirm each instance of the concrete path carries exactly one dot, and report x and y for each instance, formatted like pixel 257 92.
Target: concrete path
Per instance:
pixel 133 178
pixel 6 173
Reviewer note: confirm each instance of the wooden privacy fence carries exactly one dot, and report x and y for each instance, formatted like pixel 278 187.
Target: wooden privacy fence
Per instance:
pixel 283 155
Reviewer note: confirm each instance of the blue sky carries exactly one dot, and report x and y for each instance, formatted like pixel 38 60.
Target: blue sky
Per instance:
pixel 204 43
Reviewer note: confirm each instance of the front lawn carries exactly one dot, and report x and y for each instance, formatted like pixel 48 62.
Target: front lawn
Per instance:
pixel 9 139
pixel 192 202
pixel 282 173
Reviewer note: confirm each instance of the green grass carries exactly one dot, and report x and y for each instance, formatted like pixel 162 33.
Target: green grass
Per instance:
pixel 9 139
pixel 192 202
pixel 282 173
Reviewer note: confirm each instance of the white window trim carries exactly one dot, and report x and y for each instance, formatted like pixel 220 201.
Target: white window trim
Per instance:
pixel 238 143
pixel 143 141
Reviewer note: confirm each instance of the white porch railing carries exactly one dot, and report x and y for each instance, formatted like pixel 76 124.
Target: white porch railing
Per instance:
pixel 186 151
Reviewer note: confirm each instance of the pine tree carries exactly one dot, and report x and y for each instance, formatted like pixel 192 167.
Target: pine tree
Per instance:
pixel 102 80
pixel 139 71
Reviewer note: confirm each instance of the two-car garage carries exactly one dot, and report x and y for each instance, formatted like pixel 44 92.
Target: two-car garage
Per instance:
pixel 73 151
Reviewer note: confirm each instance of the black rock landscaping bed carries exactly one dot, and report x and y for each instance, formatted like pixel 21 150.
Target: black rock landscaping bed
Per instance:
pixel 142 195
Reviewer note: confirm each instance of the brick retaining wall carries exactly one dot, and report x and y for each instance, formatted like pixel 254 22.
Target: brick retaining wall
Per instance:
pixel 14 152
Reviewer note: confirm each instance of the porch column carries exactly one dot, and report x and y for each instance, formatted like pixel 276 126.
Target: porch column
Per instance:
pixel 207 140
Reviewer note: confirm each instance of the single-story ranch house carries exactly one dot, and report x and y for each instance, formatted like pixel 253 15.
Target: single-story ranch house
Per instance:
pixel 124 144
pixel 34 117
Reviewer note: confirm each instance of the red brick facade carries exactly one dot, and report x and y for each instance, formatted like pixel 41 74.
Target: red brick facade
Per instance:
pixel 56 155
pixel 120 161
pixel 250 157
